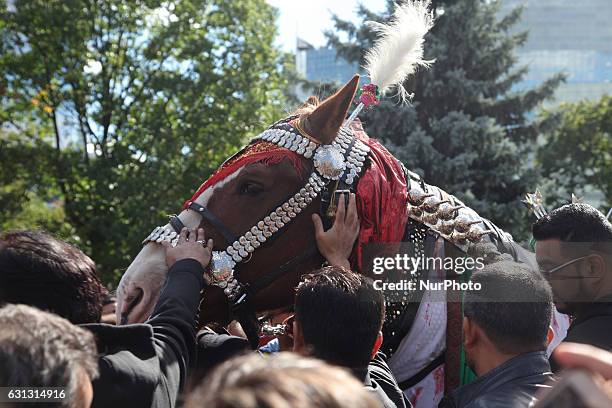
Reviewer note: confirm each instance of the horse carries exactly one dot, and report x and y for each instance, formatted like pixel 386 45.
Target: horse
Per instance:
pixel 257 208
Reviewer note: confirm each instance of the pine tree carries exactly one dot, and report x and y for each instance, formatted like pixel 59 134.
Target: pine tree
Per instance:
pixel 469 130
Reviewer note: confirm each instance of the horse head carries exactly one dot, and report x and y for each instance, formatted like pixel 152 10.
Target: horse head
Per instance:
pixel 257 208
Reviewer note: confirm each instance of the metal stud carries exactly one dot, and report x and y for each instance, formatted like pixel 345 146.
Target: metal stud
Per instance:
pixel 463 223
pixel 446 227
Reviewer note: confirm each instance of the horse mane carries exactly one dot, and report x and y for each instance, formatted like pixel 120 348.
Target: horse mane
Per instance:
pixel 307 107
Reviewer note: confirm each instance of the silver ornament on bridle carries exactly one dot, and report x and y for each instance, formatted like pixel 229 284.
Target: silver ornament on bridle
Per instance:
pixel 343 159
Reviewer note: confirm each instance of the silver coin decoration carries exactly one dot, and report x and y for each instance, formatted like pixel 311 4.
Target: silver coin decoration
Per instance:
pixel 221 267
pixel 329 162
pixel 343 158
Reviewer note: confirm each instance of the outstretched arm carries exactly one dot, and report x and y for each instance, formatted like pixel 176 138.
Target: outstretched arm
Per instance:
pixel 145 365
pixel 174 318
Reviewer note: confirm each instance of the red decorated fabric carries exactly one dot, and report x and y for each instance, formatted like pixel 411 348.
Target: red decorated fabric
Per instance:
pixel 381 196
pixel 259 152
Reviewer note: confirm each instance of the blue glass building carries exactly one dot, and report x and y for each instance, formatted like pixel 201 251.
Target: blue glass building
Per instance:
pixel 321 64
pixel 570 36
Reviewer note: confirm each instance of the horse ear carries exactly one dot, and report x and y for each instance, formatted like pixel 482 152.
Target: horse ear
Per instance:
pixel 324 122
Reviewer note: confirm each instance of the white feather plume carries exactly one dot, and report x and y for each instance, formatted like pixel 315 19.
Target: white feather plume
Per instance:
pixel 399 49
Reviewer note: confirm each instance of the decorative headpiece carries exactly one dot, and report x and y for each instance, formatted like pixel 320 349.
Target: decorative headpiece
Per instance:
pixel 396 54
pixel 535 203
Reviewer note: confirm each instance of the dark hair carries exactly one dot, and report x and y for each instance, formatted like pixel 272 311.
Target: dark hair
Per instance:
pixel 39 270
pixel 513 306
pixel 281 380
pixel 39 349
pixel 340 314
pixel 578 222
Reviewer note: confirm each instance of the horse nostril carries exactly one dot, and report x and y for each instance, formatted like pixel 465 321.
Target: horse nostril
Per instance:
pixel 132 300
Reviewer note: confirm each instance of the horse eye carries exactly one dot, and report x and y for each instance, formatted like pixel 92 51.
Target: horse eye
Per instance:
pixel 250 188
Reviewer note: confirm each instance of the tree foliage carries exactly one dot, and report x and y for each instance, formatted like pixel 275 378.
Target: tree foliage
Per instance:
pixel 119 109
pixel 470 129
pixel 577 152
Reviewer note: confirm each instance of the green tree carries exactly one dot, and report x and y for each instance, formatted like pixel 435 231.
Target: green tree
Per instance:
pixel 469 129
pixel 128 106
pixel 577 152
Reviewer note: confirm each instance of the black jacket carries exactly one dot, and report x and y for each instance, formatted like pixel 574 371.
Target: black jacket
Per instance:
pixel 593 326
pixel 510 385
pixel 381 383
pixel 214 349
pixel 146 365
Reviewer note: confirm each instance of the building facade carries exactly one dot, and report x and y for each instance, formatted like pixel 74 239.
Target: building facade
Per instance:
pixel 569 36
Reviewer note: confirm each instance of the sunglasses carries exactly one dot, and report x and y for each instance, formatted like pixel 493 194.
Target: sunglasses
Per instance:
pixel 550 272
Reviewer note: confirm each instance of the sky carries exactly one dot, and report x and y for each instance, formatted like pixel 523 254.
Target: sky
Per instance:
pixel 308 19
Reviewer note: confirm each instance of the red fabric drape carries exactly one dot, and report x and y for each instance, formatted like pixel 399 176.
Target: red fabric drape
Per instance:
pixel 381 196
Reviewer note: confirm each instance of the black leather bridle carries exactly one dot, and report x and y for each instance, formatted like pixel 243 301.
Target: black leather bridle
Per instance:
pixel 337 166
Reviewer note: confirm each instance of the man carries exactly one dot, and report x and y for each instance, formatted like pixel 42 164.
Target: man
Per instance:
pixel 338 318
pixel 281 380
pixel 143 365
pixel 505 327
pixel 574 252
pixel 40 349
pixel 339 314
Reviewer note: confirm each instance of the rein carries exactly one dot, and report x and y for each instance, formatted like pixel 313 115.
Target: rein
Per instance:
pixel 337 166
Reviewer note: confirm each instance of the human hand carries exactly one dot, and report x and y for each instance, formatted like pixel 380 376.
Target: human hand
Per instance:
pixel 191 245
pixel 336 244
pixel 574 355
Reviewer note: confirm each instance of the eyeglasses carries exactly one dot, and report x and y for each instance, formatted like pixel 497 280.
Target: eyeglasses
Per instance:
pixel 558 268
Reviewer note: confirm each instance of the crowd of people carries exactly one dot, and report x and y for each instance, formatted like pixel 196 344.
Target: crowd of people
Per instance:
pixel 57 328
